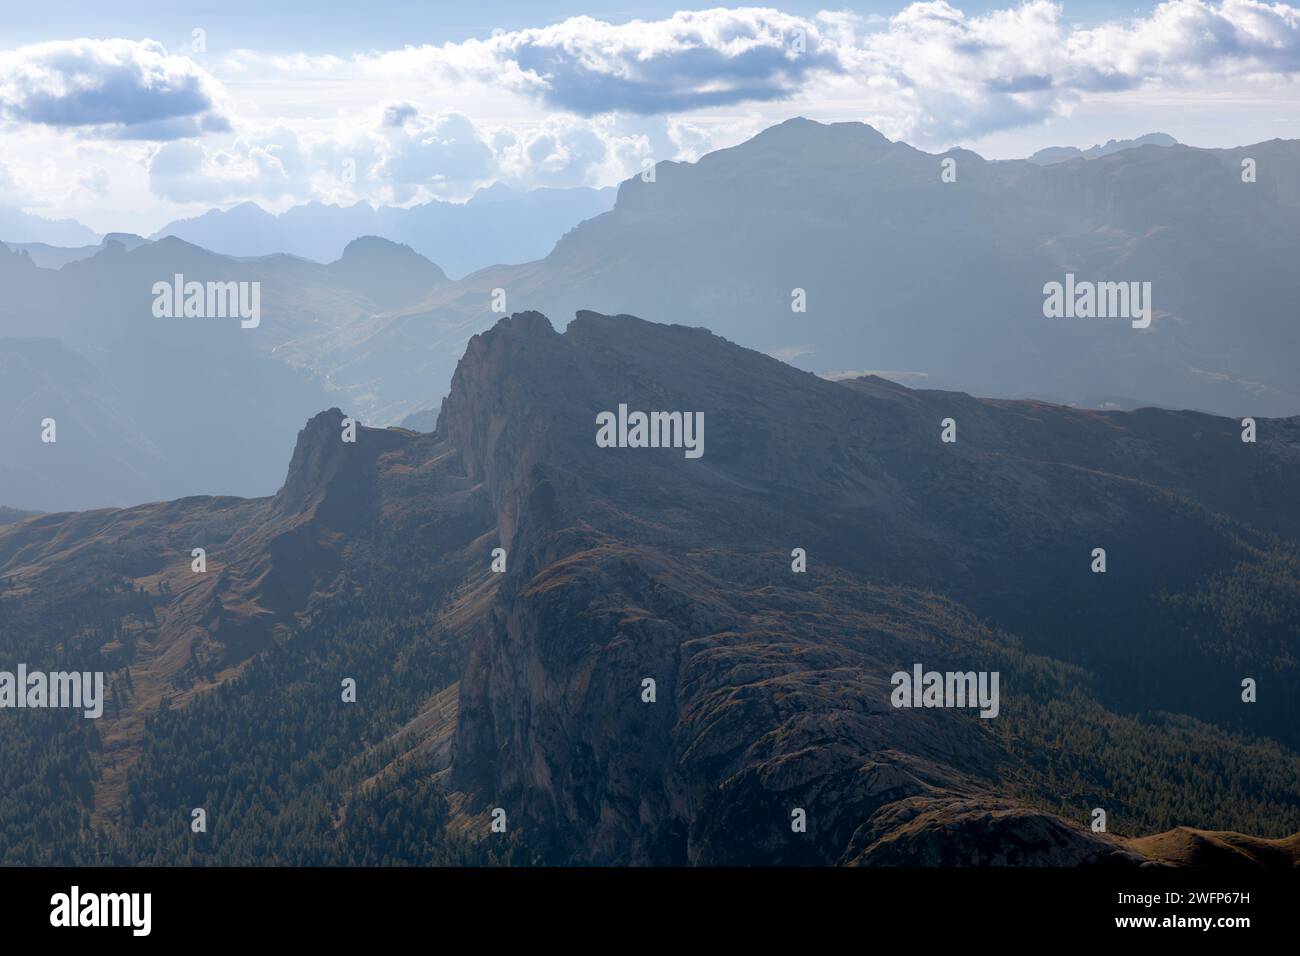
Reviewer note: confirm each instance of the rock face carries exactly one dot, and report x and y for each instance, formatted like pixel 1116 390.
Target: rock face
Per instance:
pixel 772 686
pixel 650 680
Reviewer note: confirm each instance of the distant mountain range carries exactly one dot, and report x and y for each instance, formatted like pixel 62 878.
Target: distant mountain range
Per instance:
pixel 649 675
pixel 148 408
pixel 498 224
pixel 931 282
pixel 942 282
pixel 47 256
pixel 1061 154
pixel 17 226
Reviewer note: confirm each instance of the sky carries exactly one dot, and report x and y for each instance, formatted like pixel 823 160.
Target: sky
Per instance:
pixel 128 120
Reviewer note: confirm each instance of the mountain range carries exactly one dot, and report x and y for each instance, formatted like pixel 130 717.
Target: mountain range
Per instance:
pixel 19 226
pixel 148 408
pixel 898 271
pixel 1061 154
pixel 498 224
pixel 512 685
pixel 943 283
pixel 460 236
pixel 48 256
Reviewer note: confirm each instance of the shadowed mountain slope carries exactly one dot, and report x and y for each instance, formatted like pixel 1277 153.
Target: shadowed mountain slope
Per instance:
pixel 525 690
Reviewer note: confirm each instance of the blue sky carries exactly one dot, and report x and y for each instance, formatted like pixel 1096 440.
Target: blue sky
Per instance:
pixel 345 27
pixel 128 119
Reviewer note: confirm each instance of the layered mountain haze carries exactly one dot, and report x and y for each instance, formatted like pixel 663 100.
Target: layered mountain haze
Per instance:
pixel 189 397
pixel 47 256
pixel 525 689
pixel 19 226
pixel 498 224
pixel 1060 154
pixel 171 406
pixel 924 281
pixel 944 281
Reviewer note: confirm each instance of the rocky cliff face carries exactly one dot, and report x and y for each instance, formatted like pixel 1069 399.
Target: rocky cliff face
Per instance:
pixel 772 686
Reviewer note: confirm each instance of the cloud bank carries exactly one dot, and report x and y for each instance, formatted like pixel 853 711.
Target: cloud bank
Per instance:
pixel 686 62
pixel 585 102
pixel 115 88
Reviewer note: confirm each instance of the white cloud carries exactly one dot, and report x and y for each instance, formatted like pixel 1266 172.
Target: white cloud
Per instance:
pixel 406 156
pixel 268 165
pixel 397 114
pixel 560 152
pixel 1184 40
pixel 94 182
pixel 117 88
pixel 440 155
pixel 10 194
pixel 688 61
pixel 931 72
pixel 584 102
pixel 936 74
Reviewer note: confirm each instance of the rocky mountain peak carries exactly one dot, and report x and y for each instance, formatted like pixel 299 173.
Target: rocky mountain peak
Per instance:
pixel 329 474
pixel 389 272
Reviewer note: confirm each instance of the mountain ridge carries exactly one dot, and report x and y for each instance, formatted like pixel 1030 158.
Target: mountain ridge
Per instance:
pixel 494 225
pixel 522 688
pixel 888 255
pixel 1060 154
pixel 898 269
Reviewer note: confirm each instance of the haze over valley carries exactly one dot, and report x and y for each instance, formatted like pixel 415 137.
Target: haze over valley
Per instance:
pixel 934 283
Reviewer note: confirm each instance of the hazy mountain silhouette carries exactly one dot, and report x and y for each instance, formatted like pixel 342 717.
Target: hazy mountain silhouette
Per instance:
pixel 526 689
pixel 1060 154
pixel 940 280
pixel 19 226
pixel 152 408
pixel 47 256
pixel 496 225
pixel 389 276
pixel 924 281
